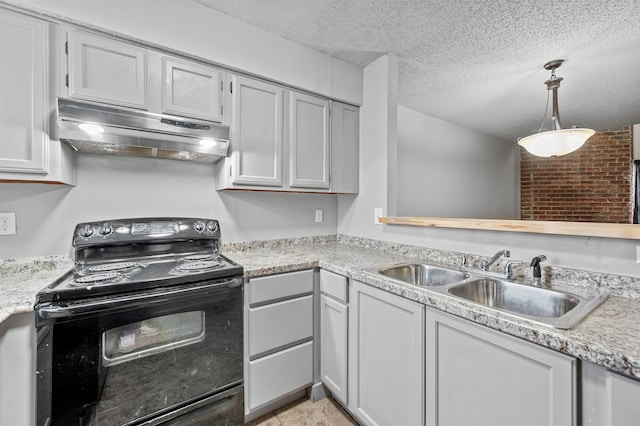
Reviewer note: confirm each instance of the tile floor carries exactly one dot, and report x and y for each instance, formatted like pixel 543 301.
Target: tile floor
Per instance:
pixel 303 412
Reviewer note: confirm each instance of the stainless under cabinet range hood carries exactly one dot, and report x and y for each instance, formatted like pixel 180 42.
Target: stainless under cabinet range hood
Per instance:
pixel 105 129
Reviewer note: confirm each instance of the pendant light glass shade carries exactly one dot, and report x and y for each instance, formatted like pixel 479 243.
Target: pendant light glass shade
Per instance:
pixel 558 141
pixel 555 143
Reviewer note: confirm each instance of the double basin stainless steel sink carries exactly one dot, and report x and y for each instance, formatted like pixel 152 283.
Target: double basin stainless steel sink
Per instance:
pixel 551 307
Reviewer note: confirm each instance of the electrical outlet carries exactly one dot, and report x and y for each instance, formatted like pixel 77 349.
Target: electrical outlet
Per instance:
pixel 7 223
pixel 637 254
pixel 318 215
pixel 377 214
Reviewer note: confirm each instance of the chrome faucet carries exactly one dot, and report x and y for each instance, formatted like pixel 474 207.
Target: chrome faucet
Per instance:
pixel 486 263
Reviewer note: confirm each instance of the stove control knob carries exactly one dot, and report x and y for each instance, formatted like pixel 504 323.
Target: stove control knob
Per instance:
pixel 199 226
pixel 85 232
pixel 212 226
pixel 105 230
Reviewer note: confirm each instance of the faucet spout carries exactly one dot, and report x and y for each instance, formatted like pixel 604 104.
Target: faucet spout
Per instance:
pixel 486 263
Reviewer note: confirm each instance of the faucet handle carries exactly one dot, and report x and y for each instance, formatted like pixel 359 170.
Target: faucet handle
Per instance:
pixel 463 259
pixel 508 268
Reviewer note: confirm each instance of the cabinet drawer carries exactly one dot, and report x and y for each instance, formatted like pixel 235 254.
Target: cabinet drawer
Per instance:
pixel 278 374
pixel 279 324
pixel 333 285
pixel 280 286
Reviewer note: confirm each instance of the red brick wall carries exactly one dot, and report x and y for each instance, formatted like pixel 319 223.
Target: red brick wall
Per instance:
pixel 592 184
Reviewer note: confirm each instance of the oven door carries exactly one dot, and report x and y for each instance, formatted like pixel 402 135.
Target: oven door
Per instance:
pixel 144 358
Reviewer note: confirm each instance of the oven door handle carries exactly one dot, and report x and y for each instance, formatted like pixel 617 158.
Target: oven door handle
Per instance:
pixel 48 312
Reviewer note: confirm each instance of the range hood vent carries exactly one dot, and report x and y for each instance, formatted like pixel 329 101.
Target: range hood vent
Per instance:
pixel 105 129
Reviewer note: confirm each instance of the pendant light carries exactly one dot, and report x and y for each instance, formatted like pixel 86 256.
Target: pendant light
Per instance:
pixel 558 141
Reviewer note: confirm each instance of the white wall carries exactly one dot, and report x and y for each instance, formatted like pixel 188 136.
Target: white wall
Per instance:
pixel 190 27
pixel 111 187
pixel 355 214
pixel 116 187
pixel 446 170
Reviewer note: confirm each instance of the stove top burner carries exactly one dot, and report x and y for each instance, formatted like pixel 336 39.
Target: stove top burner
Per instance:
pixel 114 257
pixel 106 277
pixel 198 266
pixel 109 267
pixel 195 257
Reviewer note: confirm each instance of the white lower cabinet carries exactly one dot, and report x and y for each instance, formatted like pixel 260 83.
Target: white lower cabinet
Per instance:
pixel 386 357
pixel 279 342
pixel 275 375
pixel 478 376
pixel 279 324
pixel 334 323
pixel 17 367
pixel 608 398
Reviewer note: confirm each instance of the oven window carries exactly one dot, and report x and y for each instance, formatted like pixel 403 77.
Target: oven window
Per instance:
pixel 152 336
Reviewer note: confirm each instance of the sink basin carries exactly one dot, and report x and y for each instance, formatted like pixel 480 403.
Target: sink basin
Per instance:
pixel 547 306
pixel 516 298
pixel 555 307
pixel 422 274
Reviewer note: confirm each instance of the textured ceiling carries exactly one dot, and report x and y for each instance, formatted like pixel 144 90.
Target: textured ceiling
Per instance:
pixel 478 63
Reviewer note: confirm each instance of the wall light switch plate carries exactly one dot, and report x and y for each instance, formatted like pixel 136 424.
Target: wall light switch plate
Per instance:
pixel 377 214
pixel 318 215
pixel 7 223
pixel 637 254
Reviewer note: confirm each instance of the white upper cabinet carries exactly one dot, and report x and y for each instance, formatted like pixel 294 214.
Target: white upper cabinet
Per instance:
pixel 344 148
pixel 106 70
pixel 280 140
pixel 26 103
pixel 256 133
pixel 308 141
pixel 192 90
pixel 23 87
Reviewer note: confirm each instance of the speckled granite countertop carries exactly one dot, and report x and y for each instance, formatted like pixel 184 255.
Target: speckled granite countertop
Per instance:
pixel 610 336
pixel 21 279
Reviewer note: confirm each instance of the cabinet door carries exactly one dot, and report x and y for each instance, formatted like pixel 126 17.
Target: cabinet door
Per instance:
pixel 386 367
pixel 256 132
pixel 333 346
pixel 608 398
pixel 192 90
pixel 308 141
pixel 344 148
pixel 479 376
pixel 17 368
pixel 23 93
pixel 106 70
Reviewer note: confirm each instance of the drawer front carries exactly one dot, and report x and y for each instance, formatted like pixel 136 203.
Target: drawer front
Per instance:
pixel 280 286
pixel 278 374
pixel 333 285
pixel 279 324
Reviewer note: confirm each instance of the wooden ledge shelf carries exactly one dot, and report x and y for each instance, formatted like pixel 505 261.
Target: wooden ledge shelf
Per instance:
pixel 586 229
